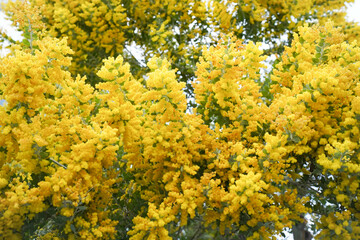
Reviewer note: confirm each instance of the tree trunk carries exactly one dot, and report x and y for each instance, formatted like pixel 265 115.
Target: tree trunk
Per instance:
pixel 300 231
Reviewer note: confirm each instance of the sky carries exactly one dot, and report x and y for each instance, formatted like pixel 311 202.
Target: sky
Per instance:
pixel 354 11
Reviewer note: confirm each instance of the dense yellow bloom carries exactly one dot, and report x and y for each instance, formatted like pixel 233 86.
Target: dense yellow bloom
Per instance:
pixel 88 159
pixel 47 133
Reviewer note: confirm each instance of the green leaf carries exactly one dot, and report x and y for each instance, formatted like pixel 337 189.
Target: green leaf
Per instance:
pixel 337 155
pixel 315 60
pixel 26 42
pixel 244 123
pixel 296 139
pixel 82 208
pixel 72 227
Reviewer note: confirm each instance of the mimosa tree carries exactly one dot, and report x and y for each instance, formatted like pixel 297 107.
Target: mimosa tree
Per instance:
pixel 127 157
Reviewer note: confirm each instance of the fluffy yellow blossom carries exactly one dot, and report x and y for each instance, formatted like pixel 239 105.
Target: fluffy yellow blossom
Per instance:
pixel 127 157
pixel 3 182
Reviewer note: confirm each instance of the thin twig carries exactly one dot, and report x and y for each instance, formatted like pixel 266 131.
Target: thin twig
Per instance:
pixel 58 163
pixel 31 37
pixel 139 62
pixel 197 232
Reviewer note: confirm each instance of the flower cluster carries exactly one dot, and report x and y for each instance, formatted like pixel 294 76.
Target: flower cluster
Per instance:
pixel 127 155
